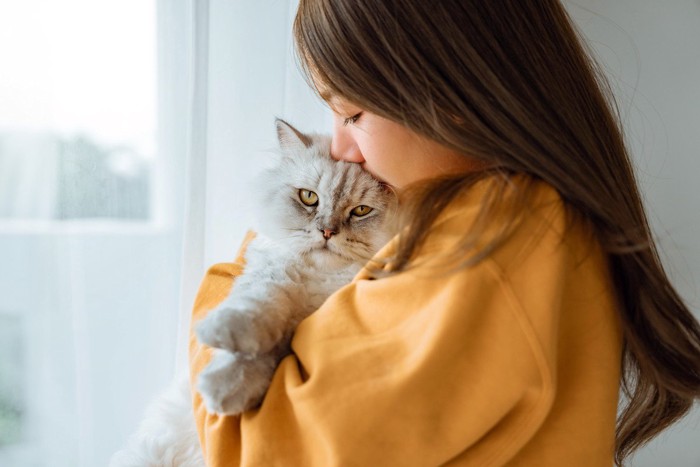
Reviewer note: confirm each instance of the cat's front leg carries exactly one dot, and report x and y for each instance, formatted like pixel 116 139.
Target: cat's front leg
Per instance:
pixel 253 321
pixel 232 328
pixel 234 382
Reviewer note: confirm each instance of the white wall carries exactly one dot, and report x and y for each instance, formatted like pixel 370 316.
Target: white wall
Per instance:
pixel 651 52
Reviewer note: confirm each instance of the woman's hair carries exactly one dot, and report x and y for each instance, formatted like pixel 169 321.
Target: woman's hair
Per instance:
pixel 509 83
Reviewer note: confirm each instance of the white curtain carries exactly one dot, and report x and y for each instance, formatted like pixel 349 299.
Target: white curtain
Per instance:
pixel 245 75
pixel 92 153
pixel 99 264
pixel 124 166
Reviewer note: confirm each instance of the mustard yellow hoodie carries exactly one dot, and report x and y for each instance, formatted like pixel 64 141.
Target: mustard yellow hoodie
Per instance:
pixel 514 361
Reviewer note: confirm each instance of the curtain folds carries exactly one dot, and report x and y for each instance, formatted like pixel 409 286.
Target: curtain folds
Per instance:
pixel 196 173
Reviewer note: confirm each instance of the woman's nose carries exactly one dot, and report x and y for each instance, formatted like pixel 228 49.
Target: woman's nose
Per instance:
pixel 344 147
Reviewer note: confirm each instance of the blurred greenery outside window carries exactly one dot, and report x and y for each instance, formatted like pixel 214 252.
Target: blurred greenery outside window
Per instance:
pixel 65 178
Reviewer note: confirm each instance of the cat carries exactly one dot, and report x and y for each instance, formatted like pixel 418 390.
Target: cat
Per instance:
pixel 321 220
pixel 324 220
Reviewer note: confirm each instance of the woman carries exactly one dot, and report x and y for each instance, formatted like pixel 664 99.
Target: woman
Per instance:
pixel 491 122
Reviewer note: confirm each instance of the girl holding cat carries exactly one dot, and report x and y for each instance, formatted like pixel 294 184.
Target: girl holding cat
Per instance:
pixel 524 288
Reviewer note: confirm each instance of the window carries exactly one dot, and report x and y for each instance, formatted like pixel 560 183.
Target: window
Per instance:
pixel 78 120
pixel 83 257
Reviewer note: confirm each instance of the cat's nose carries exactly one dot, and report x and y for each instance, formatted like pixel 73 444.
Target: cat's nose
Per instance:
pixel 328 233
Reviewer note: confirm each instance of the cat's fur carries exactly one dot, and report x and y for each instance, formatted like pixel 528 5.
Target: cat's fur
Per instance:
pixel 302 253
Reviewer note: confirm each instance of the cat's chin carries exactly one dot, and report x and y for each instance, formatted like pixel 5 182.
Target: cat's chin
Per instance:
pixel 329 256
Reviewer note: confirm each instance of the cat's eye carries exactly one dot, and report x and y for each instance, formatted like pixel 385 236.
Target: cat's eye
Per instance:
pixel 308 197
pixel 361 211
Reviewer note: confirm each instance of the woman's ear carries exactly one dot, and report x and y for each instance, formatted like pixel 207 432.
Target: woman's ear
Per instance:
pixel 290 139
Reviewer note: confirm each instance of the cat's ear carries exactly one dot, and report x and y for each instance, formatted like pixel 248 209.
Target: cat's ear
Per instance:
pixel 290 138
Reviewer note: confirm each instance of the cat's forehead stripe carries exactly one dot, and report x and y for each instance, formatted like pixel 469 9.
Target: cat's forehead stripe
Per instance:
pixel 364 192
pixel 355 184
pixel 340 184
pixel 356 180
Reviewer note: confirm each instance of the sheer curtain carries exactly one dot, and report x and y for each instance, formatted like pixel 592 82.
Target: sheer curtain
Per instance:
pixel 92 153
pixel 129 133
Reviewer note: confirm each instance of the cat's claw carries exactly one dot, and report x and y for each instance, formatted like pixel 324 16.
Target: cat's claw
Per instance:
pixel 233 383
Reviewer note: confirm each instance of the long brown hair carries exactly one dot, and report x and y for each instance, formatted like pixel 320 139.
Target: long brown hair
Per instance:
pixel 510 83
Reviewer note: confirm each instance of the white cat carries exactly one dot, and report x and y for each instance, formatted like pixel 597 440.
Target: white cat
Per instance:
pixel 322 221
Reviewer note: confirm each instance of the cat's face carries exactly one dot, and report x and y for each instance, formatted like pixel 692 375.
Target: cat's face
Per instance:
pixel 332 210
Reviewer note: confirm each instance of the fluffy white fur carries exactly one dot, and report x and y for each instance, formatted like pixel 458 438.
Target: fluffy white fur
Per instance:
pixel 292 266
pixel 167 437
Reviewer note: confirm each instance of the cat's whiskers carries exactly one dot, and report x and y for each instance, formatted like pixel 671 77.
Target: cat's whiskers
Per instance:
pixel 296 233
pixel 354 240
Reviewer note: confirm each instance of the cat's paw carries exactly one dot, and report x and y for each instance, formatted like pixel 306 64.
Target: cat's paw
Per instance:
pixel 233 383
pixel 232 329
